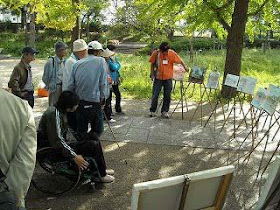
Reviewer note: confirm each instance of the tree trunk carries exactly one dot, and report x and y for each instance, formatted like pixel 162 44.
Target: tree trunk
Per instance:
pixel 23 18
pixel 191 51
pixel 234 44
pixel 76 31
pixel 32 30
pixel 170 34
pixel 87 28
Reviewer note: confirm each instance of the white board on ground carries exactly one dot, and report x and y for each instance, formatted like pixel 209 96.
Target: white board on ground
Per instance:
pixel 270 194
pixel 199 190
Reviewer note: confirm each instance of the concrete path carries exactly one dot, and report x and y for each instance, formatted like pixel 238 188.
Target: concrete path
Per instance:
pixel 156 148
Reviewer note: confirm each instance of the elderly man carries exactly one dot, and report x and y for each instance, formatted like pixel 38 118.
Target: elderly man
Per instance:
pixel 21 78
pixel 79 52
pixel 53 72
pixel 88 80
pixel 17 151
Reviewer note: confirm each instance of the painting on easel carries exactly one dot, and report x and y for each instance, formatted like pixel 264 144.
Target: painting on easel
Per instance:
pixel 197 75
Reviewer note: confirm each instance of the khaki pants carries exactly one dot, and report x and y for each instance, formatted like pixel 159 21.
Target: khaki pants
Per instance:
pixel 54 95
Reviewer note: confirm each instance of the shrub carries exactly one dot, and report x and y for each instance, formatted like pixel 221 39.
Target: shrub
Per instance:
pixel 183 45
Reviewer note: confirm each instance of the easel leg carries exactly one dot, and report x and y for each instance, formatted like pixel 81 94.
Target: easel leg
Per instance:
pixel 182 99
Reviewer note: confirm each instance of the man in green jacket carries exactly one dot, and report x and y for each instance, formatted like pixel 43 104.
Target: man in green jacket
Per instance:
pixel 21 78
pixel 17 151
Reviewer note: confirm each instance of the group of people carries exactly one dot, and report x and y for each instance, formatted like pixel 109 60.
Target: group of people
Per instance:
pixel 80 93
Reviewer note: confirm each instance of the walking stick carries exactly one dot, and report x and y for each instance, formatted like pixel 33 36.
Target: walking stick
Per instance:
pixel 114 136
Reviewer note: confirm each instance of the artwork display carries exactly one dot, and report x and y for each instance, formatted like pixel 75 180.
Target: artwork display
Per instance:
pixel 199 190
pixel 231 80
pixel 259 98
pixel 179 72
pixel 247 85
pixel 272 99
pixel 213 80
pixel 197 75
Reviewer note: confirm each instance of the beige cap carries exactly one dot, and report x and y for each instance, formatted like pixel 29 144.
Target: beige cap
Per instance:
pixel 79 45
pixel 107 53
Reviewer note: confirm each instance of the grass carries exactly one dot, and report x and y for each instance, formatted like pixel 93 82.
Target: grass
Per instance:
pixel 136 69
pixel 263 67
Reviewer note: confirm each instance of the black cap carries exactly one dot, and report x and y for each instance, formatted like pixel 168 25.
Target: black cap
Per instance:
pixel 29 50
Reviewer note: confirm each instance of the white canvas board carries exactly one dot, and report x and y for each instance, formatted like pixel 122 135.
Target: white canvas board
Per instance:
pixel 179 72
pixel 213 80
pixel 272 99
pixel 231 80
pixel 259 98
pixel 153 193
pixel 247 85
pixel 273 180
pixel 165 194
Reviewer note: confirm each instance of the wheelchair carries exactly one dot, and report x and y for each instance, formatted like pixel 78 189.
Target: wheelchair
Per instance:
pixel 56 175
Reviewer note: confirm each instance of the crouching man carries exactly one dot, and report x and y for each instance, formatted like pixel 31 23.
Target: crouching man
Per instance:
pixel 52 132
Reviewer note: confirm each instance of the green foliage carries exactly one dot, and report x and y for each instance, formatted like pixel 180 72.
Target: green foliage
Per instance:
pixel 183 45
pixel 13 44
pixel 8 26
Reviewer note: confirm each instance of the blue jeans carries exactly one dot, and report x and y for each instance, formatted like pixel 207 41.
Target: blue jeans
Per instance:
pixel 167 88
pixel 89 112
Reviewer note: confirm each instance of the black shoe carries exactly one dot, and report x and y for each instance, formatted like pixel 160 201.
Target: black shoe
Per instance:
pixel 120 113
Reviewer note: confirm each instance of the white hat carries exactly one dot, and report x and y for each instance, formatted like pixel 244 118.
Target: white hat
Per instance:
pixel 95 45
pixel 79 45
pixel 107 53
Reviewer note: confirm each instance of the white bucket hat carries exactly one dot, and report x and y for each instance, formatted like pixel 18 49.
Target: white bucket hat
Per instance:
pixel 107 53
pixel 79 45
pixel 95 45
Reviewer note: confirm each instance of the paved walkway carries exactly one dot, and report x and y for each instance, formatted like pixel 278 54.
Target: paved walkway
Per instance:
pixel 156 148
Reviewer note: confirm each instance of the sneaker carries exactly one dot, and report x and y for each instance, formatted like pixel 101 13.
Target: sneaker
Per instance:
pixel 112 121
pixel 107 179
pixel 104 179
pixel 165 115
pixel 110 172
pixel 152 114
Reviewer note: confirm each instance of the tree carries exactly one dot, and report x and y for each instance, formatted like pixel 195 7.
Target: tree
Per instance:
pixel 93 13
pixel 136 18
pixel 227 17
pixel 56 14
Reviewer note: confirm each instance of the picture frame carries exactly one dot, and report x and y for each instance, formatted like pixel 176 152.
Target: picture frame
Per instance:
pixel 213 80
pixel 197 75
pixel 246 85
pixel 231 80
